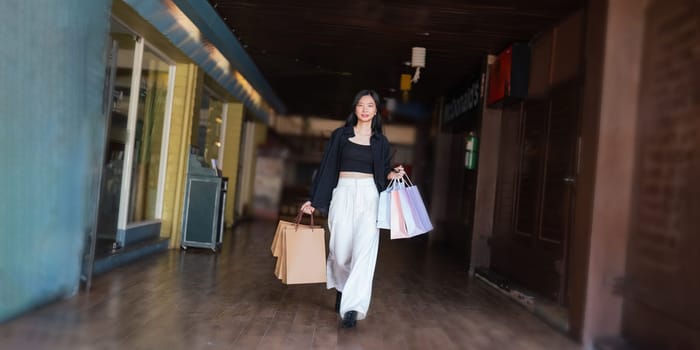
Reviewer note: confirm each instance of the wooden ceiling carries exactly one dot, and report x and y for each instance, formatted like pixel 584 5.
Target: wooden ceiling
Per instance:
pixel 318 54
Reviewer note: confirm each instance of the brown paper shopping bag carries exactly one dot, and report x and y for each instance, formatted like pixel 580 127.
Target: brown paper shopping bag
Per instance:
pixel 276 246
pixel 281 265
pixel 305 255
pixel 302 257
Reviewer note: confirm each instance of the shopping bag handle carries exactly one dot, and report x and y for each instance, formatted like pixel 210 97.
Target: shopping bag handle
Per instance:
pixel 400 182
pixel 297 220
pixel 395 184
pixel 408 180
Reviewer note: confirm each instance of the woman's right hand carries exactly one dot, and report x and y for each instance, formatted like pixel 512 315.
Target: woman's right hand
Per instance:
pixel 306 208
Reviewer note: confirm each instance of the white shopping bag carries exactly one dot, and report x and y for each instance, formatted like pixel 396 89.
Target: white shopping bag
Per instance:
pixel 384 207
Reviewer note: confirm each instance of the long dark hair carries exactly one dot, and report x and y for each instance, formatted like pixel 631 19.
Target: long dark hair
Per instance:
pixel 376 121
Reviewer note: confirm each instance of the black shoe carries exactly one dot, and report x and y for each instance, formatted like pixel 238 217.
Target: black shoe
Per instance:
pixel 338 296
pixel 349 319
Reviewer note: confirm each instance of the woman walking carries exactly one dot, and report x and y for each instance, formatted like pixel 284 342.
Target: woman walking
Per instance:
pixel 354 169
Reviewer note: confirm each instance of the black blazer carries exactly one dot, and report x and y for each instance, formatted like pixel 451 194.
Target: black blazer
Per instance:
pixel 327 176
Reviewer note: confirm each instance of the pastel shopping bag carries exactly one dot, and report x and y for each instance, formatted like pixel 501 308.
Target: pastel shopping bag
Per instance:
pixel 384 207
pixel 418 210
pixel 412 226
pixel 420 213
pixel 398 225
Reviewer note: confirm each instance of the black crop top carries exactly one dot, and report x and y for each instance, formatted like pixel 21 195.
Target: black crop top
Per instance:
pixel 357 158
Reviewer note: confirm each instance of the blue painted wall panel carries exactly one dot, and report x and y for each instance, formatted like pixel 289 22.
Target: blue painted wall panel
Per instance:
pixel 52 65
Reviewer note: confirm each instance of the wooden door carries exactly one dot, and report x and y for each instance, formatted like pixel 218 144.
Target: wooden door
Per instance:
pixel 662 283
pixel 530 245
pixel 559 186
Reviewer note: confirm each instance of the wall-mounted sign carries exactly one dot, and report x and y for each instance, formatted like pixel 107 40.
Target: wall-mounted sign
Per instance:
pixel 508 75
pixel 464 101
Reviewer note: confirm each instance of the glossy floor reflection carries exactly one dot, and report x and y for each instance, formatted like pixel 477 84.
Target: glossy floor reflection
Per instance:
pixel 231 300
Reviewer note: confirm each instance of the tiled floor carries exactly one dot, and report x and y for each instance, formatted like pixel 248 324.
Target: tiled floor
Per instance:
pixel 231 300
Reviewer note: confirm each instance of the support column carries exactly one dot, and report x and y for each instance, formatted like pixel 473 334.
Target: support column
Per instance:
pixel 52 69
pixel 187 77
pixel 232 152
pixel 489 142
pixel 611 93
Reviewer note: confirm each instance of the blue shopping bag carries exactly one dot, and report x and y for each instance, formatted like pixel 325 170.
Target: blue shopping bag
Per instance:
pixel 384 207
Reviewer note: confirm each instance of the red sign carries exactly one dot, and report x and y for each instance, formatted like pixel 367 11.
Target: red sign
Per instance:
pixel 499 77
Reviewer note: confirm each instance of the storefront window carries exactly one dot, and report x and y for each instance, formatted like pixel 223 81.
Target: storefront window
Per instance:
pixel 206 135
pixel 138 92
pixel 148 138
pixel 119 72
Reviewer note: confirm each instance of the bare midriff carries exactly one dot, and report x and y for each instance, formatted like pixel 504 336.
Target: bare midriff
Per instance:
pixel 353 175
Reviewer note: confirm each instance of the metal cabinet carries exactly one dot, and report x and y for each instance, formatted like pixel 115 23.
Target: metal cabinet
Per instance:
pixel 201 226
pixel 201 220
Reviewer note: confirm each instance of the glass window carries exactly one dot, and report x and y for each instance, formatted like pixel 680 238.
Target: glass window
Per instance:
pixel 119 71
pixel 148 138
pixel 206 133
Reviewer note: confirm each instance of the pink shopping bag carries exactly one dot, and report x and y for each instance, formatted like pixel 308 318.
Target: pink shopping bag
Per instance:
pixel 398 225
pixel 413 227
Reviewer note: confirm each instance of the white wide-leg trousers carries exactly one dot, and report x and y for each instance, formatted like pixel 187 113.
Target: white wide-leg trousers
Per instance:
pixel 352 220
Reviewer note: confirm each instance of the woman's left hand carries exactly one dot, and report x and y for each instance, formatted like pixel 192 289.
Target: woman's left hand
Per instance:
pixel 397 173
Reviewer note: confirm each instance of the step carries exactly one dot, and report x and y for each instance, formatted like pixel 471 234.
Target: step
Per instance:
pixel 548 311
pixel 133 252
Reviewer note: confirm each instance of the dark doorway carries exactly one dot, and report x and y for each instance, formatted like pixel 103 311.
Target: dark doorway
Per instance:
pixel 536 190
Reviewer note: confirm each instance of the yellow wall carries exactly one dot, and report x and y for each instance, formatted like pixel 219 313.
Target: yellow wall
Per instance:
pixel 189 83
pixel 187 77
pixel 254 134
pixel 232 152
pixel 259 138
pixel 260 133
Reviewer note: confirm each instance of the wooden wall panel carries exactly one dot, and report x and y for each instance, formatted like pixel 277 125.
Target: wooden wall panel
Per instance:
pixel 541 65
pixel 663 266
pixel 568 37
pixel 507 170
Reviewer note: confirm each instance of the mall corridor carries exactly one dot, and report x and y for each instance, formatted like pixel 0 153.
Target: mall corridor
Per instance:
pixel 195 299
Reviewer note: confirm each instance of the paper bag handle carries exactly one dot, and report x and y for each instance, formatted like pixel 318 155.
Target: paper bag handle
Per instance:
pixel 297 220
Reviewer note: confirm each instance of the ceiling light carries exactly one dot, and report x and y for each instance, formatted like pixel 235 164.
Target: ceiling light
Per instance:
pixel 417 61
